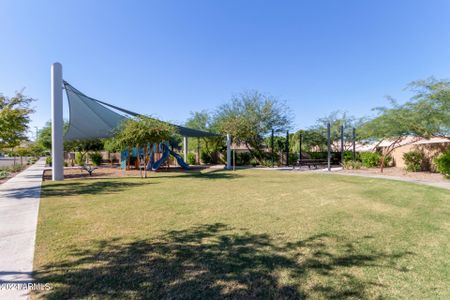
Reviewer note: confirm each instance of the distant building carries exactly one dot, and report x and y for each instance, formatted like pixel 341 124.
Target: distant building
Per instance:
pixel 430 147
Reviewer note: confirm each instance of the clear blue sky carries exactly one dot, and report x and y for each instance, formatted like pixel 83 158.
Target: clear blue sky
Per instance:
pixel 167 58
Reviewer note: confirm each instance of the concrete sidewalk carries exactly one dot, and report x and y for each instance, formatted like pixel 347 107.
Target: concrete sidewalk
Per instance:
pixel 19 206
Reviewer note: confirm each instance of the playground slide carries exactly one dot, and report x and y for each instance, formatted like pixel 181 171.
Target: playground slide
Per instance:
pixel 180 160
pixel 151 161
pixel 166 152
pixel 163 158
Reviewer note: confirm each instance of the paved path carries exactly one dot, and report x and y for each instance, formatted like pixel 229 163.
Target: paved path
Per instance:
pixel 440 184
pixel 19 205
pixel 336 170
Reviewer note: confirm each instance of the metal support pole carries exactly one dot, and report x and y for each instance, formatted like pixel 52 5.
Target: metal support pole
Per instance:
pixel 287 148
pixel 57 122
pixel 271 146
pixel 198 150
pixel 185 147
pixel 354 142
pixel 228 151
pixel 342 143
pixel 329 146
pixel 234 160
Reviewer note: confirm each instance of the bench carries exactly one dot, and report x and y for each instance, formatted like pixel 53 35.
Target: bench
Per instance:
pixel 314 162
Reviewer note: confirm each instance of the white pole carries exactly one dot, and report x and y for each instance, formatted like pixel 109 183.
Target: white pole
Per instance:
pixel 57 122
pixel 228 151
pixel 185 148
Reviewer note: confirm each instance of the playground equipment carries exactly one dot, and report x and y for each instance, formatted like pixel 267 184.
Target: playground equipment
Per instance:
pixel 90 118
pixel 153 165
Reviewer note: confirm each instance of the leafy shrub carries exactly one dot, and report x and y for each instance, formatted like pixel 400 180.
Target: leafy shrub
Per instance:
pixel 205 157
pixel 351 165
pixel 348 155
pixel 96 158
pixel 253 162
pixel 191 158
pixel 370 159
pixel 32 160
pixel 387 160
pixel 66 164
pixel 268 163
pixel 243 158
pixel 413 160
pixel 4 174
pixel 79 159
pixel 48 161
pixel 443 163
pixel 293 157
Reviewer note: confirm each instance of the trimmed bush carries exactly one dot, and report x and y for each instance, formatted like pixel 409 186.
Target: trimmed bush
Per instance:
pixel 191 158
pixel 96 158
pixel 205 157
pixel 348 155
pixel 443 163
pixel 4 174
pixel 243 158
pixel 370 159
pixel 48 161
pixel 413 160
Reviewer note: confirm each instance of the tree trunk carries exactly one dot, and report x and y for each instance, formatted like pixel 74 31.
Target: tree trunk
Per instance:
pixel 138 156
pixel 145 160
pixel 382 163
pixel 129 158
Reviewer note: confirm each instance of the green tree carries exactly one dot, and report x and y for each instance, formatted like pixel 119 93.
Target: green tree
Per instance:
pixel 428 112
pixel 111 145
pixel 83 147
pixel 14 119
pixel 250 116
pixel 210 146
pixel 336 119
pixel 425 115
pixel 44 138
pixel 140 131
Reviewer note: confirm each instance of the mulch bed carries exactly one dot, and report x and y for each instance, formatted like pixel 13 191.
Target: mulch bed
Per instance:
pixel 105 171
pixel 394 171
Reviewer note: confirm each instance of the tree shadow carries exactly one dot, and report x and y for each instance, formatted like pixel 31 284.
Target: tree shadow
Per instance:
pixel 87 187
pixel 201 174
pixel 211 262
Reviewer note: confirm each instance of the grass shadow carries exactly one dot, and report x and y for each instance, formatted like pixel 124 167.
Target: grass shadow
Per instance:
pixel 212 262
pixel 88 187
pixel 201 174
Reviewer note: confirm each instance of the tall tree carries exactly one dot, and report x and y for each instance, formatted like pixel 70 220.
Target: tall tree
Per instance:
pixel 336 120
pixel 210 145
pixel 14 119
pixel 425 115
pixel 428 111
pixel 250 116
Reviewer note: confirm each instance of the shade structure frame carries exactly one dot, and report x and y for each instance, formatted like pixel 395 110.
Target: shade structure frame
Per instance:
pixel 90 118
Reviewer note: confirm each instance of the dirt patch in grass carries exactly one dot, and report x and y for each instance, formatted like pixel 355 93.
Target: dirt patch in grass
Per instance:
pixel 399 172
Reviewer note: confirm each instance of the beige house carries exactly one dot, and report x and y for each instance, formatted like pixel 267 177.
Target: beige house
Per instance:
pixel 430 147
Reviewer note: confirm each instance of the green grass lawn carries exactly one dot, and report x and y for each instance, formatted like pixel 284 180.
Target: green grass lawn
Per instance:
pixel 244 234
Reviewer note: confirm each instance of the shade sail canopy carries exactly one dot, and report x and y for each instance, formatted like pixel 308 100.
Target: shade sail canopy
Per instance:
pixel 90 118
